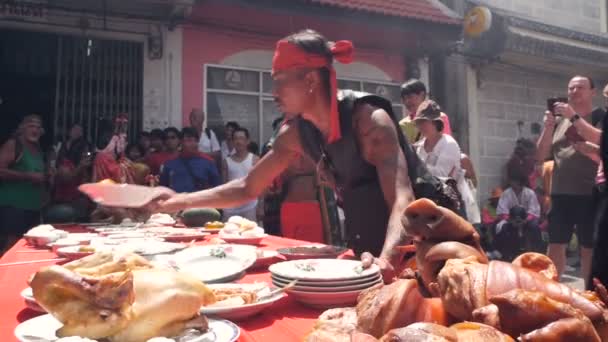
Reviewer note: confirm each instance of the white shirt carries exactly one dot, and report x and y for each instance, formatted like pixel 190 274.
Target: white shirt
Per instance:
pixel 236 170
pixel 527 199
pixel 207 145
pixel 444 159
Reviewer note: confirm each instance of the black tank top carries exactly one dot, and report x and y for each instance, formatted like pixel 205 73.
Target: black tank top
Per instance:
pixel 356 181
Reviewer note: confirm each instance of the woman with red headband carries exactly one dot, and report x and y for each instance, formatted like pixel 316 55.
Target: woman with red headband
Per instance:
pixel 352 138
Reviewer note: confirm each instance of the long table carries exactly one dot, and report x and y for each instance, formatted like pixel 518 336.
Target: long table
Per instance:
pixel 285 321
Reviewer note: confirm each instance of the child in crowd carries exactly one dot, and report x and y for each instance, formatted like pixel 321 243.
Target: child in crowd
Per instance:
pixel 518 211
pixel 489 219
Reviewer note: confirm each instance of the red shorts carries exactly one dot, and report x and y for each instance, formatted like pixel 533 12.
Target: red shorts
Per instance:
pixel 302 221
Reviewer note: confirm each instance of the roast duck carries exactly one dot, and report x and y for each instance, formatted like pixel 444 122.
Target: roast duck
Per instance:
pixel 120 298
pixel 457 295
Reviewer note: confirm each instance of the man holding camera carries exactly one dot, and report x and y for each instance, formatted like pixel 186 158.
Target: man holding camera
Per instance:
pixel 566 127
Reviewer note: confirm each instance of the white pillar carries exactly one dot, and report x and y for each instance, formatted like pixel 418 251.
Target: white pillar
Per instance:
pixel 423 65
pixel 474 141
pixel 162 88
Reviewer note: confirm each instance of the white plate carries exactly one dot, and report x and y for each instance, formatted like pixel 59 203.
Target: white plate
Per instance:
pixel 176 234
pixel 327 283
pixel 115 229
pixel 326 300
pixel 305 288
pixel 123 195
pixel 134 234
pixel 323 269
pixel 142 247
pixel 242 311
pixel 213 263
pixel 183 237
pixel 73 253
pixel 210 230
pixel 149 247
pixel 243 240
pixel 43 328
pixel 316 251
pixel 54 246
pixel 30 301
pixel 38 241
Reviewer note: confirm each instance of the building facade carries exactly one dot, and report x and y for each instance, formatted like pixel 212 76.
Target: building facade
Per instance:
pixel 228 48
pixel 501 80
pixel 78 61
pixel 158 59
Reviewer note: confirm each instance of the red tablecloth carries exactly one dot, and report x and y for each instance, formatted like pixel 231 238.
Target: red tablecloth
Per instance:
pixel 286 321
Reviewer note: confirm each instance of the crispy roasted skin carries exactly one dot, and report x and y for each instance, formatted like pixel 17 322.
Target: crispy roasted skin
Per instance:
pixel 421 332
pixel 247 296
pixel 131 303
pixel 399 304
pixel 335 325
pixel 103 263
pixel 430 221
pixel 430 225
pixel 467 285
pixel 564 330
pixel 88 307
pixel 165 301
pixel 474 332
pixel 523 311
pixel 538 263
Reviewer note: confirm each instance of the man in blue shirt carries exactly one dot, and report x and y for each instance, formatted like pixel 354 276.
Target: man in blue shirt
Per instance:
pixel 192 170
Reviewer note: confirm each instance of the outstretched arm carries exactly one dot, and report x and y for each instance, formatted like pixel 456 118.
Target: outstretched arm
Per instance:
pixel 380 145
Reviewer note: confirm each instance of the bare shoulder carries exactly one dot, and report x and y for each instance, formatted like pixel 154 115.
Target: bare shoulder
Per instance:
pixel 7 152
pixel 369 119
pixel 8 146
pixel 376 133
pixel 9 143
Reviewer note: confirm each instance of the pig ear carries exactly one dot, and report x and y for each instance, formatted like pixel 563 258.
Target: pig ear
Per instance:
pixel 538 263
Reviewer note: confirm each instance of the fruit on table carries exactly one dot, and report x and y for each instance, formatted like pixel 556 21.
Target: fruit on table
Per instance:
pixel 86 249
pixel 214 225
pixel 197 217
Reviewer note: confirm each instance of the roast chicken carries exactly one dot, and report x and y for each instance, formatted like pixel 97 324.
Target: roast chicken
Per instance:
pixel 120 298
pixel 456 294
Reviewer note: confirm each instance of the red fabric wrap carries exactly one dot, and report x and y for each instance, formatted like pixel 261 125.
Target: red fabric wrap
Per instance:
pixel 289 56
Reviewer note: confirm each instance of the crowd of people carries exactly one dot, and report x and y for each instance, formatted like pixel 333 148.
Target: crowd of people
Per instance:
pixel 41 184
pixel 321 178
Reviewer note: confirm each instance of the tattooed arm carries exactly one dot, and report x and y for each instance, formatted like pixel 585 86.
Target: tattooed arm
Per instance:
pixel 377 136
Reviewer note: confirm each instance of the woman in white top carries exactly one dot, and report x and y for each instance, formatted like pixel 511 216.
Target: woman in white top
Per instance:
pixel 441 154
pixel 238 166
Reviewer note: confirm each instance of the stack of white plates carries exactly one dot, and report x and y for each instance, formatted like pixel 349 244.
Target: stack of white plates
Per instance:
pixel 325 283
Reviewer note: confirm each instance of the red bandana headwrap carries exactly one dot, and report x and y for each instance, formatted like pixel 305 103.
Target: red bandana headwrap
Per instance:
pixel 290 56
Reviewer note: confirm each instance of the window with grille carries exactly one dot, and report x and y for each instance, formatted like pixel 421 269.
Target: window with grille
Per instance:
pixel 245 95
pixel 97 79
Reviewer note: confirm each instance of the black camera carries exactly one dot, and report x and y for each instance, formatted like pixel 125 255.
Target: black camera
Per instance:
pixel 552 101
